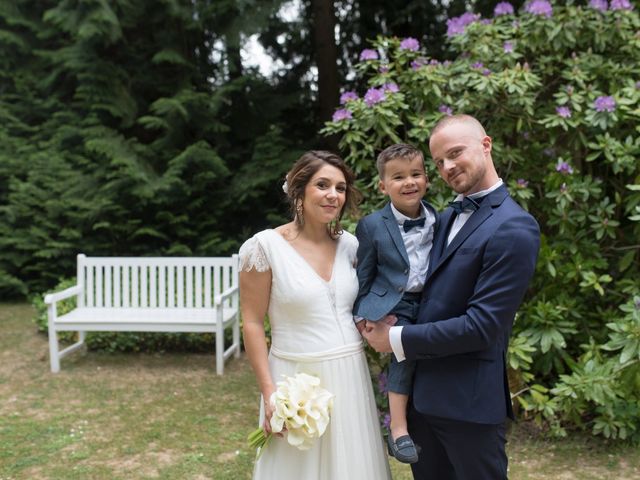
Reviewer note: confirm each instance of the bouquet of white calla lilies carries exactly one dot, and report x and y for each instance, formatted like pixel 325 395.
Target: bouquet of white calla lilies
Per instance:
pixel 302 409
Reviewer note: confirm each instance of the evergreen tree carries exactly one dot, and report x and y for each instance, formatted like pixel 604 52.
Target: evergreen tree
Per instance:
pixel 115 147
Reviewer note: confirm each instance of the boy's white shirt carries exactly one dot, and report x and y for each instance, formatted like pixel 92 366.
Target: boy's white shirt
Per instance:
pixel 417 242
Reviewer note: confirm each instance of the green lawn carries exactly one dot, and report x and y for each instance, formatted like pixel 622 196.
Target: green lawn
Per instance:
pixel 135 416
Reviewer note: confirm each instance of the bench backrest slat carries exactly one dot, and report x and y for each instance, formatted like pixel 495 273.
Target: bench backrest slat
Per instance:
pixel 162 287
pixel 117 272
pixel 153 291
pixel 107 285
pixel 150 282
pixel 80 278
pixel 189 297
pixel 124 271
pixel 207 286
pixel 198 287
pixel 171 299
pixel 89 280
pixel 179 287
pixel 99 288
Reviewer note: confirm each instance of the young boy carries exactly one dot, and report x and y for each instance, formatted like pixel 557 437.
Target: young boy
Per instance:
pixel 393 257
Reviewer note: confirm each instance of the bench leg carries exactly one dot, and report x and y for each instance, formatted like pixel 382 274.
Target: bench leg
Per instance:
pixel 54 355
pixel 220 353
pixel 219 343
pixel 53 352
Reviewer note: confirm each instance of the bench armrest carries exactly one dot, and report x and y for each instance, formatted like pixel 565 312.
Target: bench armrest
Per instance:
pixel 56 297
pixel 218 299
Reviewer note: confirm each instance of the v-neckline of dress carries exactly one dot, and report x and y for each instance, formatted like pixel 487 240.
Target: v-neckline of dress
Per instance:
pixel 305 261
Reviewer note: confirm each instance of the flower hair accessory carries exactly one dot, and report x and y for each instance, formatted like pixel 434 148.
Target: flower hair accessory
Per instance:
pixel 285 187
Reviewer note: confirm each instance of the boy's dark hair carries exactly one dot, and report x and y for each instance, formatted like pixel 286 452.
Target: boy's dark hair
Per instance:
pixel 399 150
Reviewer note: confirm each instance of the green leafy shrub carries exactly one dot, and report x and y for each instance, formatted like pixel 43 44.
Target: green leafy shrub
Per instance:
pixel 558 89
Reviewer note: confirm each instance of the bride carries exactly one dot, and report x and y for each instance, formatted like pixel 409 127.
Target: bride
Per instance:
pixel 302 276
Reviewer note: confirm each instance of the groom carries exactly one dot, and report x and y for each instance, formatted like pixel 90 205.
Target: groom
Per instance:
pixel 483 256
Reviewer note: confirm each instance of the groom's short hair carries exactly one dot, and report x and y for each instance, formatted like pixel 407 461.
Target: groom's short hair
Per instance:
pixel 399 150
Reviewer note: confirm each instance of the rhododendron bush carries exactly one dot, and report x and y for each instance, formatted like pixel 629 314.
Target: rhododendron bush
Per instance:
pixel 557 87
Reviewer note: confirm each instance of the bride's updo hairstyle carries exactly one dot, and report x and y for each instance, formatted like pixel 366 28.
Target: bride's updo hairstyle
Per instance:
pixel 302 172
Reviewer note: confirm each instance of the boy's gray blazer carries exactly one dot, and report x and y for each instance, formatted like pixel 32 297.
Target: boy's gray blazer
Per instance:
pixel 383 263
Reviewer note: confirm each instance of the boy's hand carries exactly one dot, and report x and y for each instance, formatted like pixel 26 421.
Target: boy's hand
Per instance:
pixel 377 335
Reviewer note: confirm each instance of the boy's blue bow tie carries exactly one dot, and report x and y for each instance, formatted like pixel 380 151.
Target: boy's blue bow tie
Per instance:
pixel 409 224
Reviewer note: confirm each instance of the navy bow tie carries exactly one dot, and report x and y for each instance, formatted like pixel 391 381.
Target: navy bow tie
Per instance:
pixel 409 224
pixel 466 204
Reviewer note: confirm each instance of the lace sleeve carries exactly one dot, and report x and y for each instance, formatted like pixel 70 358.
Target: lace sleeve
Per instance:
pixel 252 256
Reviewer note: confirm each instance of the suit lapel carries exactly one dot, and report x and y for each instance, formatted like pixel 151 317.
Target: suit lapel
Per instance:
pixel 471 224
pixel 443 225
pixel 392 226
pixel 433 211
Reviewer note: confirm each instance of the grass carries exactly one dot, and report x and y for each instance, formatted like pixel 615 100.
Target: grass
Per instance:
pixel 141 416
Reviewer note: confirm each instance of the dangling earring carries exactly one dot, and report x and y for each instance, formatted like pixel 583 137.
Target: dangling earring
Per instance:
pixel 299 213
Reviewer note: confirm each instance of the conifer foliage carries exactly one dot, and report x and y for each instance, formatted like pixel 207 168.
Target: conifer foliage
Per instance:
pixel 111 135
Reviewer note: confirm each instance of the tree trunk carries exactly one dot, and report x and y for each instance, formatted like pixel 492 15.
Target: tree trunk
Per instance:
pixel 326 55
pixel 234 60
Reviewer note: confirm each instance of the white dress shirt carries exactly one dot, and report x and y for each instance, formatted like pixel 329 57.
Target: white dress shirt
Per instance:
pixel 395 333
pixel 417 242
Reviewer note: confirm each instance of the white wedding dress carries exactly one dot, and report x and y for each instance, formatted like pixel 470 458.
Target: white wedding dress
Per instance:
pixel 312 331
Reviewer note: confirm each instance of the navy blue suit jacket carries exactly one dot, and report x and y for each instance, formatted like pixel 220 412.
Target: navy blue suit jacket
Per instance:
pixel 383 263
pixel 472 292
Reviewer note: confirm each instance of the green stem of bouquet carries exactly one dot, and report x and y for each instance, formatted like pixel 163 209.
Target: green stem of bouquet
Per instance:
pixel 258 439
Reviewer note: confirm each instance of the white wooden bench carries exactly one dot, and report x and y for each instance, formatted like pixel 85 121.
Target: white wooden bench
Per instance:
pixel 150 294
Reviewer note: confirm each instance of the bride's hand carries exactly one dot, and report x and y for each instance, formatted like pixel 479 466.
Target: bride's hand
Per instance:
pixel 268 413
pixel 269 408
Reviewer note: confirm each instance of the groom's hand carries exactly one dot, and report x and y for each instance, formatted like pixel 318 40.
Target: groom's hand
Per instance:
pixel 377 335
